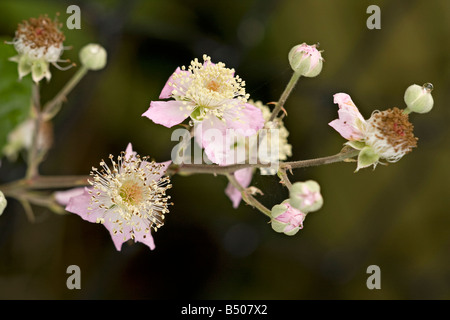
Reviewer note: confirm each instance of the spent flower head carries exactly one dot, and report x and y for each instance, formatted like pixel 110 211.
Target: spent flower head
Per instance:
pixel 38 42
pixel 385 135
pixel 129 198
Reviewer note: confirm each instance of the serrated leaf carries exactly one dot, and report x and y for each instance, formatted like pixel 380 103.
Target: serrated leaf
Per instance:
pixel 15 95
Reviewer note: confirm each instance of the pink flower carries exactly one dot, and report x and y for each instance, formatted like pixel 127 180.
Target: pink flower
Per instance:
pixel 129 199
pixel 214 98
pixel 351 124
pixel 287 219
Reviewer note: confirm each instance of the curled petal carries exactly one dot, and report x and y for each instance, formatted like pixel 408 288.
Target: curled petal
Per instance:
pixel 351 124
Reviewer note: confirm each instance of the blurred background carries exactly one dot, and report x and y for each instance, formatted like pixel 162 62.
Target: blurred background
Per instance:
pixel 396 217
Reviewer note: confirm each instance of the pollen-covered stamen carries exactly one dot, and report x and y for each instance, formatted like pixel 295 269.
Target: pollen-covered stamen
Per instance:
pixel 391 134
pixel 213 87
pixel 131 193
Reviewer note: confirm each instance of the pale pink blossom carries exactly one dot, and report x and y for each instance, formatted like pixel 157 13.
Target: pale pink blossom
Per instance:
pixel 129 199
pixel 213 98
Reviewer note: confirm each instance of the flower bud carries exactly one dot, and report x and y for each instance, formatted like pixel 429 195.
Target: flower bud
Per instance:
pixel 306 60
pixel 286 219
pixel 418 98
pixel 3 202
pixel 93 56
pixel 306 196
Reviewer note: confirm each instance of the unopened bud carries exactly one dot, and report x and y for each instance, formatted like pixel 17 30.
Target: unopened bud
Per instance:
pixel 306 60
pixel 286 219
pixel 93 56
pixel 306 196
pixel 418 98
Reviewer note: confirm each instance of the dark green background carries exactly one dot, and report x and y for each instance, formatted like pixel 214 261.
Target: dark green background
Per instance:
pixel 396 217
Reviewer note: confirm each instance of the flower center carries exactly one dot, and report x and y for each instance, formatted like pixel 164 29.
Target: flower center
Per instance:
pixel 213 86
pixel 131 192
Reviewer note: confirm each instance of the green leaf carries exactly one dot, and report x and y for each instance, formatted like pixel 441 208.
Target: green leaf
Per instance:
pixel 15 95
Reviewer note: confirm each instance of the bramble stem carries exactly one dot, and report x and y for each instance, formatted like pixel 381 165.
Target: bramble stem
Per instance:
pixel 216 169
pixel 247 197
pixel 20 189
pixel 287 91
pixel 284 178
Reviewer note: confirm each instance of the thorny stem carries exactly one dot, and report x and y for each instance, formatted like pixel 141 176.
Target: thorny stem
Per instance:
pixel 247 197
pixel 287 91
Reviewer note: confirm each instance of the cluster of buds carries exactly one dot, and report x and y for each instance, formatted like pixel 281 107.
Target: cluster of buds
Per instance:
pixel 288 217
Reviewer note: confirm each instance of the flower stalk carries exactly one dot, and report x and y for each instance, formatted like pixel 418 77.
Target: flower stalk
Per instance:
pixel 247 197
pixel 287 91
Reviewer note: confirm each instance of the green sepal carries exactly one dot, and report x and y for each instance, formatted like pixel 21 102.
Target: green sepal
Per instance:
pixel 358 145
pixel 367 157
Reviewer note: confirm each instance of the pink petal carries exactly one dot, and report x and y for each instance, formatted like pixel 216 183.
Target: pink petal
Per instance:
pixel 144 237
pixel 80 204
pixel 244 177
pixel 168 89
pixel 117 237
pixel 167 113
pixel 245 121
pixel 129 153
pixel 63 197
pixel 210 134
pixel 350 122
